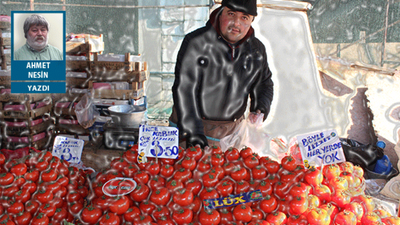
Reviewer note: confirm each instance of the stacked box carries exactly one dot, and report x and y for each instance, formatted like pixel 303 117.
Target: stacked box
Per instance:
pixel 26 121
pixel 5 42
pixel 79 49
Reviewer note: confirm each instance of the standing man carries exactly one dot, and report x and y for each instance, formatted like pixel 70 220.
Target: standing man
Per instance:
pixel 36 29
pixel 218 67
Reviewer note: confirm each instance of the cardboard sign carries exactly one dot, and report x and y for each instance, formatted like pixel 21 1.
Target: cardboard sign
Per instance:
pixel 119 186
pixel 232 200
pixel 321 148
pixel 158 141
pixel 68 149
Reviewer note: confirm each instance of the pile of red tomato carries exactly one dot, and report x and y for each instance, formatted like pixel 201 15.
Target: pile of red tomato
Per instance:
pixel 172 191
pixel 42 189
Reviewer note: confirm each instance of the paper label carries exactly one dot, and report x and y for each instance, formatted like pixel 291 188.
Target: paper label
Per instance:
pixel 232 200
pixel 119 186
pixel 68 149
pixel 158 141
pixel 321 148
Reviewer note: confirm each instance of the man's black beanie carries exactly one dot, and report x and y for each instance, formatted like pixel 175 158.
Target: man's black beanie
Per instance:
pixel 246 6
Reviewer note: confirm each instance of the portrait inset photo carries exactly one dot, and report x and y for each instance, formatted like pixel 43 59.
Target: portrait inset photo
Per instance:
pixel 38 36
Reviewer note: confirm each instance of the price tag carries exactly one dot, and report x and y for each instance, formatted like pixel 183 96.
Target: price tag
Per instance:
pixel 158 141
pixel 68 149
pixel 321 148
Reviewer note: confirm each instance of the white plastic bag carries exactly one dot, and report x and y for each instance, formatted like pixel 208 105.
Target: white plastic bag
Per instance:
pixel 249 134
pixel 86 111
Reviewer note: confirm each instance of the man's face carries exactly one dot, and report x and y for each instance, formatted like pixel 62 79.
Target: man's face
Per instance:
pixel 234 25
pixel 37 37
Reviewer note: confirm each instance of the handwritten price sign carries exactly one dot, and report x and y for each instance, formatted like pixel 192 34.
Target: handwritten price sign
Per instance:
pixel 68 149
pixel 161 142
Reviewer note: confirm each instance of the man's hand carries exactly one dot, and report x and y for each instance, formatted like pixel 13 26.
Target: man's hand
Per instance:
pixel 194 140
pixel 256 117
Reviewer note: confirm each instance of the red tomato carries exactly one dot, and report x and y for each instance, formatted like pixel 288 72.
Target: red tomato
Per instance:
pixel 32 206
pixel 241 187
pixel 75 207
pixel 193 186
pixel 44 196
pixel 217 160
pixel 203 165
pixel 140 193
pixel 156 182
pixel 331 171
pixel 297 220
pixel 268 204
pixel 119 205
pixel 161 196
pixel 153 168
pixel 166 170
pixel 141 177
pixel 259 172
pixel 243 213
pixel 264 187
pixel 42 165
pixel 356 208
pixel 194 152
pixel 6 179
pixel 131 214
pixel 272 166
pixel 232 154
pixel 2 159
pixel 208 193
pixel 276 218
pixel 211 216
pixel 226 216
pixel 323 193
pixel 130 170
pixel 251 162
pixel 239 174
pixel 281 189
pixel 300 189
pixel 40 219
pixel 19 169
pixel 209 180
pixel 147 207
pixel 109 219
pixel 182 216
pixel 288 163
pixel 22 196
pixel 15 208
pixel 370 218
pixel 32 175
pixel 47 209
pixel 6 219
pixel 318 216
pixel 183 197
pixel 91 214
pixel 345 218
pixel 245 152
pixel 160 212
pixel 298 205
pixel 189 163
pixel 366 201
pixel 314 177
pixel 23 218
pixel 119 164
pixel 224 188
pixel 183 174
pixel 174 184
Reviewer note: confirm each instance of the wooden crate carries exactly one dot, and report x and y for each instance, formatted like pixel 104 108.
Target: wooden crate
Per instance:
pixel 117 94
pixel 5 81
pixel 28 114
pixel 5 41
pixel 42 144
pixel 84 47
pixel 71 129
pixel 13 131
pixel 5 25
pixel 22 97
pixel 77 65
pixel 77 82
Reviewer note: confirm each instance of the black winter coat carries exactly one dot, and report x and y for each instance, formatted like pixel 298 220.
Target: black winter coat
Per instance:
pixel 213 79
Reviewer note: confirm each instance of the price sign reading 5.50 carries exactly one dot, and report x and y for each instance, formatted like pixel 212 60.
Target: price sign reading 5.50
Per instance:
pixel 68 149
pixel 160 142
